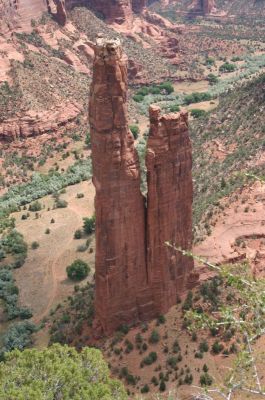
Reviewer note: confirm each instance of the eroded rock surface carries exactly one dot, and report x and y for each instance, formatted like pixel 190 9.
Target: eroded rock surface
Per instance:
pixel 129 287
pixel 169 205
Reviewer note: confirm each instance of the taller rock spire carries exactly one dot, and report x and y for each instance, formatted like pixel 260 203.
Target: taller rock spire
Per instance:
pixel 121 273
pixel 137 276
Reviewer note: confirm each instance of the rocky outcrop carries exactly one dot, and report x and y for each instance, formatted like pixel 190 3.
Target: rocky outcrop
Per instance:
pixel 121 276
pixel 33 123
pixel 129 287
pixel 169 205
pixel 138 6
pixel 114 11
pixel 206 6
pixel 60 15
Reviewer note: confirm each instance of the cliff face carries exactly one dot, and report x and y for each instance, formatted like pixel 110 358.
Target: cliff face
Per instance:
pixel 130 288
pixel 121 274
pixel 169 205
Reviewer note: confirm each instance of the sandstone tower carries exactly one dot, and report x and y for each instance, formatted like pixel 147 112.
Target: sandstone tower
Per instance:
pixel 137 276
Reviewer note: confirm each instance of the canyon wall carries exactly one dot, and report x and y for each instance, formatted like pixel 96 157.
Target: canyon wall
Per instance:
pixel 137 276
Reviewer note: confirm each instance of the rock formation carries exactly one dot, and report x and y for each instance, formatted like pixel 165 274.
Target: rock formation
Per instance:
pixel 169 205
pixel 60 15
pixel 138 6
pixel 206 6
pixel 121 276
pixel 129 286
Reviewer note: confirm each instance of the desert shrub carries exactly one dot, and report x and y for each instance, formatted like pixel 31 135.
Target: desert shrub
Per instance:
pixel 14 244
pixel 18 337
pixel 35 245
pixel 172 361
pixel 209 61
pixel 162 386
pixel 89 224
pixel 203 346
pixel 217 347
pixel 174 108
pixel 80 195
pixel 47 231
pixel 145 389
pixel 138 98
pixel 78 270
pixel 206 379
pixel 88 140
pixel 60 203
pixel 213 79
pixel 154 337
pixel 36 206
pixel 135 131
pixel 197 97
pixel 78 234
pixel 197 113
pixel 167 87
pixel 187 305
pixel 150 359
pixel 161 319
pixel 227 67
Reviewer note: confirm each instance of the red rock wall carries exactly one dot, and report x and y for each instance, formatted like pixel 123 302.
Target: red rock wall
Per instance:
pixel 169 205
pixel 121 276
pixel 130 287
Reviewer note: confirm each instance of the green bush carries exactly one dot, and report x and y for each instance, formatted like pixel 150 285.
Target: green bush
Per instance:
pixel 135 131
pixel 18 337
pixel 89 225
pixel 150 359
pixel 78 234
pixel 138 98
pixel 217 347
pixel 213 79
pixel 78 270
pixel 174 108
pixel 206 379
pixel 36 206
pixel 35 245
pixel 197 113
pixel 197 97
pixel 154 337
pixel 227 67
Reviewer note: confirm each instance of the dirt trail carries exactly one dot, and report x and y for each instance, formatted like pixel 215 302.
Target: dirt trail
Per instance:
pixel 240 219
pixel 42 281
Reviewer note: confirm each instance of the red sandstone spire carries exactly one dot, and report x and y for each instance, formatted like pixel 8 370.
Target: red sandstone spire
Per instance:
pixel 169 205
pixel 130 288
pixel 120 227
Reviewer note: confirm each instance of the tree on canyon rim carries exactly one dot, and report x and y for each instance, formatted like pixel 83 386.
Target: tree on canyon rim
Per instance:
pixel 58 372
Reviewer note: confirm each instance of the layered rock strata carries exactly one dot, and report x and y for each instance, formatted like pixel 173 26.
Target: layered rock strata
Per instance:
pixel 137 276
pixel 121 275
pixel 169 205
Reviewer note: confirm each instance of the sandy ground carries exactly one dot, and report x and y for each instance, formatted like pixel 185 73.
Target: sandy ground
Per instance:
pixel 243 218
pixel 42 280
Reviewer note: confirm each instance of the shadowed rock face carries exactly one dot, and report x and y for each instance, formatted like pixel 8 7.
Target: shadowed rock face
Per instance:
pixel 139 5
pixel 129 287
pixel 206 6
